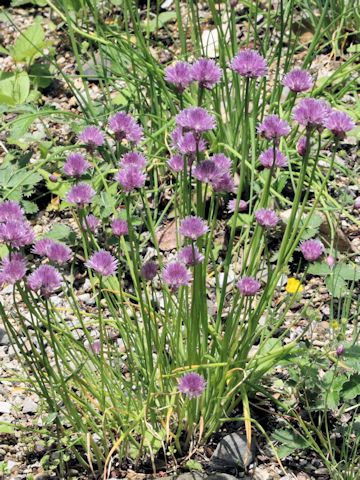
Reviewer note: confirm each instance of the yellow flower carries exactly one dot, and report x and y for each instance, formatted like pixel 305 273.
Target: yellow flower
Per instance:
pixel 334 324
pixel 293 285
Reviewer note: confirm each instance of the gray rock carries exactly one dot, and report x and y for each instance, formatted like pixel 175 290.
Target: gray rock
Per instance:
pixel 29 406
pixel 5 407
pixel 233 452
pixel 4 338
pixel 221 476
pixel 191 476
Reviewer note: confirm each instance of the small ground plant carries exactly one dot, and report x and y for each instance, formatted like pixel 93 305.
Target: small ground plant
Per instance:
pixel 175 341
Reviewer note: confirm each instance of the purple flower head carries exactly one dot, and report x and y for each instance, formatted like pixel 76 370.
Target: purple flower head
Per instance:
pixel 340 350
pixel 339 123
pixel 274 128
pixel 12 269
pixel 133 158
pixel 357 203
pixel 176 163
pixel 298 80
pixel 311 112
pixel 223 183
pixel 44 279
pixel 206 72
pixel 193 227
pixel 103 263
pixel 41 247
pixel 266 218
pixel 130 178
pixel 190 255
pixel 192 385
pixel 176 274
pixel 222 162
pixel 58 252
pixel 179 75
pixel 206 171
pixel 53 178
pixel 10 210
pixel 80 194
pixel 249 63
pixel 330 261
pixel 16 233
pixel 196 119
pixel 232 204
pixel 91 222
pixel 125 128
pixel 75 165
pixel 91 137
pixel 267 158
pixel 149 270
pixel 312 249
pixel 301 146
pixel 119 227
pixel 248 286
pixel 186 142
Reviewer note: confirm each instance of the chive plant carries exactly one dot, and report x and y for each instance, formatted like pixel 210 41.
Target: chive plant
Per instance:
pixel 180 340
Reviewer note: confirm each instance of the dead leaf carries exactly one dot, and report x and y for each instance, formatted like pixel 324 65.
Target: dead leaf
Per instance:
pixel 166 236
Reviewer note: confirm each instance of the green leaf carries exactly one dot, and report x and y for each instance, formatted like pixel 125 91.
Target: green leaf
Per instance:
pixel 14 88
pixel 194 465
pixel 319 268
pixel 290 441
pixel 159 22
pixel 29 44
pixel 29 207
pixel 336 285
pixel 351 389
pixel 5 428
pixel 40 75
pixel 62 233
pixel 348 271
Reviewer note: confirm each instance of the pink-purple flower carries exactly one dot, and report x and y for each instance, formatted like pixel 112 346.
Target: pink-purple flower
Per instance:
pixel 75 165
pixel 103 263
pixel 175 274
pixel 206 73
pixel 193 227
pixel 357 203
pixel 273 128
pixel 312 249
pixel 149 270
pixel 10 210
pixel 45 280
pixel 248 286
pixel 192 385
pixel 298 80
pixel 232 204
pixel 130 178
pixel 266 218
pixel 135 159
pixel 80 194
pixel 119 227
pixel 187 143
pixel 41 246
pixel 339 123
pixel 176 163
pixel 125 128
pixel 16 233
pixel 196 119
pixel 249 63
pixel 180 75
pixel 12 269
pixel 206 171
pixel 301 146
pixel 330 261
pixel 58 252
pixel 312 113
pixel 267 159
pixel 91 222
pixel 92 137
pixel 190 255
